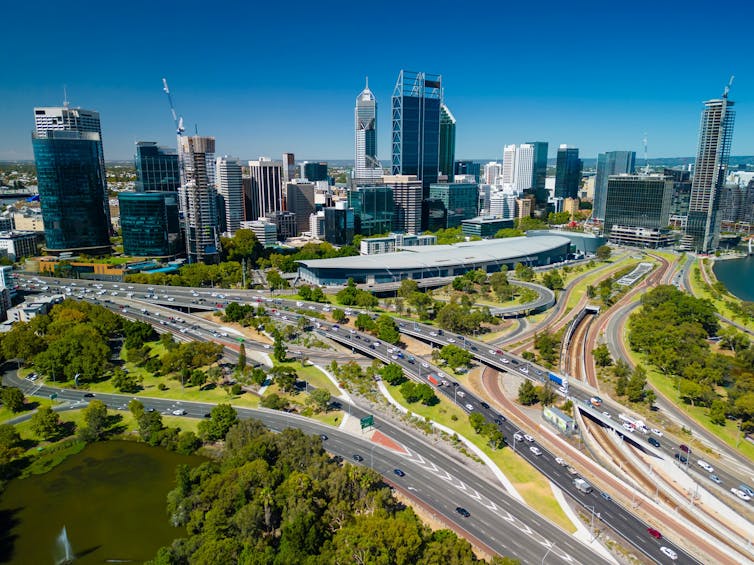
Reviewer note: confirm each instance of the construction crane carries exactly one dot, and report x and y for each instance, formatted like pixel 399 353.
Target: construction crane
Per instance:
pixel 727 87
pixel 179 129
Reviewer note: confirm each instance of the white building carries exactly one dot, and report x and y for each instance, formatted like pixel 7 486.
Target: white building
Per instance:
pixel 18 244
pixel 393 242
pixel 366 165
pixel 503 205
pixel 509 166
pixel 317 225
pixel 198 196
pixel 492 172
pixel 524 173
pixel 265 231
pixel 28 310
pixel 266 187
pixel 230 187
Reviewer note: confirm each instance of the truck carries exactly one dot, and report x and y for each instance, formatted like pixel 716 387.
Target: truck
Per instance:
pixel 582 485
pixel 433 380
pixel 562 382
pixel 626 420
pixel 595 401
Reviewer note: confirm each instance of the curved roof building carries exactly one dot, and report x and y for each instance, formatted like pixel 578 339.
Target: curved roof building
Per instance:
pixel 436 260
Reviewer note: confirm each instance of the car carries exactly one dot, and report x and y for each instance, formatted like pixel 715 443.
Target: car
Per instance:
pixel 425 365
pixel 560 461
pixel 357 457
pixel 606 415
pixel 628 427
pixel 684 448
pixel 499 421
pixel 653 441
pixel 747 489
pixel 656 432
pixel 563 390
pixel 266 346
pixel 704 465
pixel 399 472
pixel 740 494
pixel 469 406
pixel 528 438
pixel 89 395
pixel 535 450
pixel 572 471
pixel 606 496
pixel 504 361
pixel 682 458
pixel 433 334
pixel 518 437
pixel 451 340
pixel 485 406
pixel 207 415
pixel 669 552
pixel 654 533
pixel 492 352
pixel 179 412
pixel 715 479
pixel 463 512
pixel 525 370
pixel 323 437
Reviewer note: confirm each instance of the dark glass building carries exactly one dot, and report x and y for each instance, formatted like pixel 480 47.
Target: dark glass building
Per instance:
pixel 69 175
pixel 447 142
pixel 416 102
pixel 539 172
pixel 638 208
pixel 460 201
pixel 373 208
pixel 149 224
pixel 610 163
pixel 157 168
pixel 314 171
pixel 567 173
pixel 339 225
pixel 468 168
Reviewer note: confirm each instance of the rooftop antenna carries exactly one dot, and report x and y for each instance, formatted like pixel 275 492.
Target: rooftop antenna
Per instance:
pixel 646 155
pixel 727 87
pixel 65 97
pixel 367 83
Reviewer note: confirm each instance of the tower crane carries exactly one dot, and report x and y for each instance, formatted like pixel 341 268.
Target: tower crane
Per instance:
pixel 727 87
pixel 179 129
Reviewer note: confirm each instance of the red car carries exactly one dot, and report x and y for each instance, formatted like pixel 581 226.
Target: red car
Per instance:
pixel 684 448
pixel 654 533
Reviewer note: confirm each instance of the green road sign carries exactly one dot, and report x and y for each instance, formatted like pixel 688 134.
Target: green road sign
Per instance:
pixel 367 422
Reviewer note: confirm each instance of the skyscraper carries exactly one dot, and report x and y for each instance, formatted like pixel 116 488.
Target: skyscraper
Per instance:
pixel 710 169
pixel 374 209
pixel 567 172
pixel 468 168
pixel 149 224
pixel 417 98
pixel 637 209
pixel 230 188
pixel 539 174
pixel 407 195
pixel 300 201
pixel 314 172
pixel 610 163
pixel 71 183
pixel 366 164
pixel 460 201
pixel 157 168
pixel 266 187
pixel 492 172
pixel 63 118
pixel 508 170
pixel 289 167
pixel 199 198
pixel 447 142
pixel 523 177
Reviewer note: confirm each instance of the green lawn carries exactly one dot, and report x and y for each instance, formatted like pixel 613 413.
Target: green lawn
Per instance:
pixel 580 288
pixel 40 401
pixel 534 487
pixel 313 376
pixel 298 399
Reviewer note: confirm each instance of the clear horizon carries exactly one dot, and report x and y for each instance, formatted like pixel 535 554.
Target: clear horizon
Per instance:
pixel 595 77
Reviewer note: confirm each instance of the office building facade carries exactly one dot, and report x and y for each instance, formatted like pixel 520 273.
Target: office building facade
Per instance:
pixel 314 172
pixel 710 170
pixel 394 241
pixel 71 184
pixel 373 208
pixel 198 197
pixel 157 168
pixel 460 201
pixel 447 142
pixel 567 172
pixel 339 224
pixel 468 168
pixel 149 224
pixel 285 224
pixel 366 164
pixel 610 163
pixel 289 167
pixel 493 171
pixel 539 172
pixel 299 200
pixel 230 189
pixel 638 209
pixel 407 197
pixel 266 187
pixel 416 103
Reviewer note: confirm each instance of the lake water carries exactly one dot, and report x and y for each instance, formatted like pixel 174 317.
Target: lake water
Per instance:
pixel 111 498
pixel 738 276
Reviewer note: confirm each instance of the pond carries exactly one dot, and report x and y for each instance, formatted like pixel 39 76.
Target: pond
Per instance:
pixel 111 499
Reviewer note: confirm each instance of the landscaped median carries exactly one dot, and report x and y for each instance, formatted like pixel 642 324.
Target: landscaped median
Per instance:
pixel 525 479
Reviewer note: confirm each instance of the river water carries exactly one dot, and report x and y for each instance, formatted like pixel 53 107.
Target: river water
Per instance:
pixel 738 276
pixel 111 498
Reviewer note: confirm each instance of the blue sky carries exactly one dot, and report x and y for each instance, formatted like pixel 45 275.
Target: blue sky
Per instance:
pixel 265 78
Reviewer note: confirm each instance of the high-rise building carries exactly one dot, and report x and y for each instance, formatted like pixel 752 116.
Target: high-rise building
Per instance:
pixel 710 169
pixel 71 184
pixel 366 164
pixel 157 168
pixel 610 163
pixel 289 167
pixel 468 168
pixel 447 142
pixel 230 188
pixel 539 173
pixel 417 98
pixel 285 223
pixel 508 170
pixel 373 208
pixel 266 187
pixel 523 177
pixel 492 172
pixel 314 172
pixel 149 224
pixel 567 172
pixel 637 209
pixel 199 198
pixel 503 205
pixel 407 196
pixel 459 200
pixel 339 224
pixel 299 199
pixel 64 118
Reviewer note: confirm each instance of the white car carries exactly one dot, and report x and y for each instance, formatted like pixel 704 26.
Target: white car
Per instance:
pixel 524 370
pixel 656 432
pixel 179 412
pixel 505 361
pixel 740 494
pixel 469 407
pixel 433 334
pixel 451 340
pixel 704 465
pixel 492 352
pixel 425 364
pixel 606 415
pixel 535 450
pixel 560 461
pixel 518 437
pixel 528 438
pixel 669 552
pixel 266 346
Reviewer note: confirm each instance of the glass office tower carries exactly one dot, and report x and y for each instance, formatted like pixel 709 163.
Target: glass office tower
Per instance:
pixel 157 168
pixel 540 171
pixel 610 163
pixel 149 224
pixel 373 208
pixel 366 165
pixel 638 201
pixel 447 142
pixel 460 200
pixel 567 172
pixel 71 183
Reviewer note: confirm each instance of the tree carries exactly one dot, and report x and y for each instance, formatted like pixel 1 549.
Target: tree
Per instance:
pixel 150 426
pixel 602 356
pixel 187 443
pixel 527 393
pixel 552 280
pixel 222 418
pixel 558 218
pixel 136 408
pixel 477 421
pixel 455 356
pixel 387 329
pixel 523 272
pixel 320 399
pixel 241 366
pixel 13 399
pixel 408 287
pixel 279 350
pixel 603 252
pixel 426 394
pixel 275 280
pixel 95 421
pixel 636 384
pixel 338 315
pixel 45 423
pixel 273 402
pixel 285 377
pixel 10 444
pixel 364 323
pixel 318 295
pixel 126 382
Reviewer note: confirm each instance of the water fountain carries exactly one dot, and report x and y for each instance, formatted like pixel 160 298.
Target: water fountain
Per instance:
pixel 63 551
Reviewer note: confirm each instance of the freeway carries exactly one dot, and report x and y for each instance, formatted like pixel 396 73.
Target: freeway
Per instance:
pixel 442 482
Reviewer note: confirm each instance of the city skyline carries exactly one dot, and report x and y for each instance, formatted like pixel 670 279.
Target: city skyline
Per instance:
pixel 303 100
